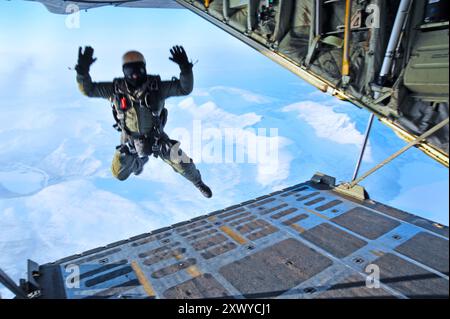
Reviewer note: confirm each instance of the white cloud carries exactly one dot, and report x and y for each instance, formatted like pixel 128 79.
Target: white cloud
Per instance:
pixel 27 119
pixel 246 95
pixel 213 116
pixel 70 159
pixel 336 127
pixel 272 166
pixel 20 180
pixel 64 219
pixel 275 171
pixel 200 92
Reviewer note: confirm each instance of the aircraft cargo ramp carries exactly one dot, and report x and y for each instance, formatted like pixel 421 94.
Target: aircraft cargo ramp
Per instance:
pixel 306 241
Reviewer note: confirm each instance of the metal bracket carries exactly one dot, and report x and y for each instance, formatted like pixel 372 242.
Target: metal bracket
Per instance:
pixel 383 96
pixel 358 192
pixel 33 273
pixel 320 178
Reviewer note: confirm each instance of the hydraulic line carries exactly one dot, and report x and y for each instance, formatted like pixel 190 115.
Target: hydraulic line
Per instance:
pixel 399 25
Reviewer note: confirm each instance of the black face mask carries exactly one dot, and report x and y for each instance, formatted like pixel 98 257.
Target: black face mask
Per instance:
pixel 135 73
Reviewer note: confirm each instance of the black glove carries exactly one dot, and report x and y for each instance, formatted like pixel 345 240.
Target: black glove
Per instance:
pixel 85 60
pixel 179 56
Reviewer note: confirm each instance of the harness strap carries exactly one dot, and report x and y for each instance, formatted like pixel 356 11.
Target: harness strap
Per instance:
pixel 123 101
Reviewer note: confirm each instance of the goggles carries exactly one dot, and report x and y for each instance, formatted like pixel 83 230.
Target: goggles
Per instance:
pixel 135 68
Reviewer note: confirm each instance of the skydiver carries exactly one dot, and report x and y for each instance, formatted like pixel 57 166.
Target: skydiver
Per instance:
pixel 138 108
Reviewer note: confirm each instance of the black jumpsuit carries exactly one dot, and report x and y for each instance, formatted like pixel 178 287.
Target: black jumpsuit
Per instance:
pixel 138 122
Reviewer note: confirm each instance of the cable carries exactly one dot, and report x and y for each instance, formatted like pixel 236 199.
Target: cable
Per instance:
pixel 401 151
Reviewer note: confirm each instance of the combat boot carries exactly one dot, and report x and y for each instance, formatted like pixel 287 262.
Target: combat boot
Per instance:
pixel 204 189
pixel 139 165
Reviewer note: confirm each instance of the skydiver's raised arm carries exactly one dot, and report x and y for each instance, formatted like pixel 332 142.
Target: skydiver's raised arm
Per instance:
pixel 94 89
pixel 85 84
pixel 183 85
pixel 178 87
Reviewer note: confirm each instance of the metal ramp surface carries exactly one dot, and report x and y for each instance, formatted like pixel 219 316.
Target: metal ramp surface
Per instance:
pixel 306 241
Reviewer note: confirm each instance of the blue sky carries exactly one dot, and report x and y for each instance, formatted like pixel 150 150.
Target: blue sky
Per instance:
pixel 57 145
